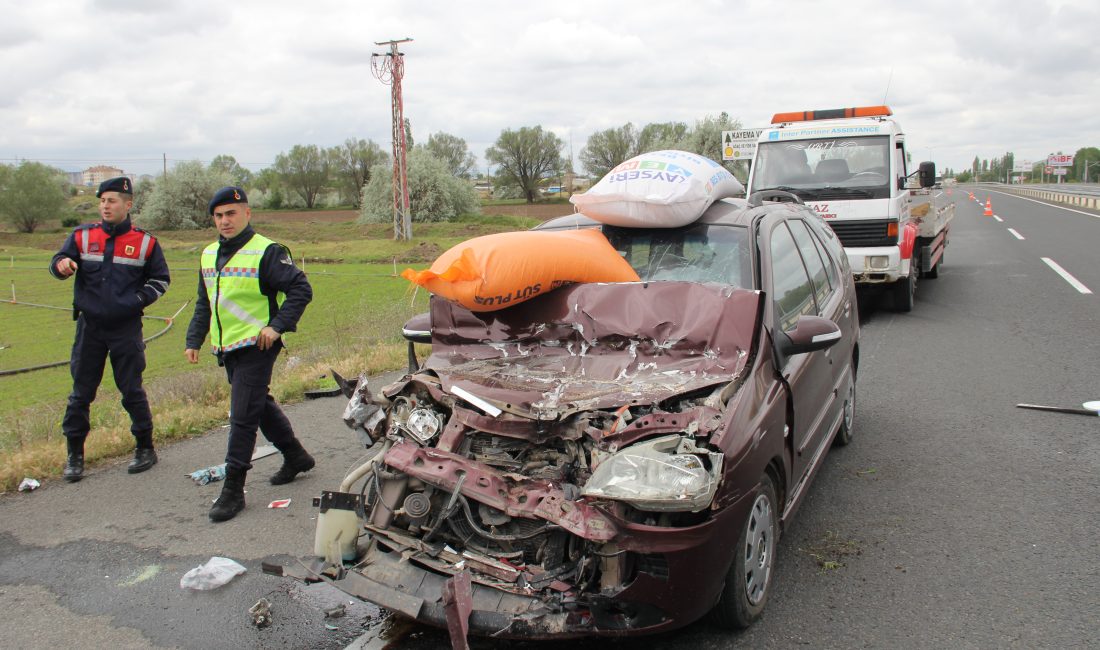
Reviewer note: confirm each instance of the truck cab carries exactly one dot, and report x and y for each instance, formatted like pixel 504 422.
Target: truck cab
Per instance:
pixel 851 167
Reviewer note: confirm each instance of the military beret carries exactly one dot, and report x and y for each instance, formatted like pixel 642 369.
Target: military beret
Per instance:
pixel 120 184
pixel 227 195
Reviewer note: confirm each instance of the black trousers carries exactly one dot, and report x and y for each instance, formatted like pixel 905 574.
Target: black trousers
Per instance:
pixel 252 406
pixel 93 344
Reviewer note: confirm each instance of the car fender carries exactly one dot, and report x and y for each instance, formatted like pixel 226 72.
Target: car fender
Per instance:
pixel 908 240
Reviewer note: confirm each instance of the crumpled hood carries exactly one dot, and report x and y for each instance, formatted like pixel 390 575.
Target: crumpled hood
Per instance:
pixel 591 346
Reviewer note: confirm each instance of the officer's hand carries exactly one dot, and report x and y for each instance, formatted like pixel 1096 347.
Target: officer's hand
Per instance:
pixel 66 267
pixel 267 338
pixel 192 355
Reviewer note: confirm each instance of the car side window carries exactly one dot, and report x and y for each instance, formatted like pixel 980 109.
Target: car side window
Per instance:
pixel 830 264
pixel 792 292
pixel 814 264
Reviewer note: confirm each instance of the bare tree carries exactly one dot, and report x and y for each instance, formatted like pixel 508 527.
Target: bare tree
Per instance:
pixel 525 157
pixel 452 151
pixel 304 170
pixel 351 164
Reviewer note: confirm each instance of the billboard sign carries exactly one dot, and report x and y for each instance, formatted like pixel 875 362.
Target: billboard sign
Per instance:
pixel 740 145
pixel 1022 166
pixel 1060 171
pixel 1060 160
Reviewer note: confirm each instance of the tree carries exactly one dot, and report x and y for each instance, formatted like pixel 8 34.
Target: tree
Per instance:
pixel 143 189
pixel 434 193
pixel 705 138
pixel 179 200
pixel 305 170
pixel 662 135
pixel 609 148
pixel 241 177
pixel 1091 156
pixel 525 157
pixel 351 167
pixel 452 151
pixel 30 194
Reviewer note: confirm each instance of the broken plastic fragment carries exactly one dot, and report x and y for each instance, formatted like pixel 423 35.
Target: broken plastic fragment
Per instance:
pixel 208 474
pixel 279 503
pixel 29 484
pixel 216 572
pixel 261 613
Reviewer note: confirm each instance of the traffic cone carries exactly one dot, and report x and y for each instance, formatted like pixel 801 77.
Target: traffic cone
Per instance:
pixel 988 208
pixel 971 196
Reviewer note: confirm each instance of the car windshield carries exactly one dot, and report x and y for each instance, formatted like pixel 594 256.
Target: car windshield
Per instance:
pixel 696 253
pixel 825 167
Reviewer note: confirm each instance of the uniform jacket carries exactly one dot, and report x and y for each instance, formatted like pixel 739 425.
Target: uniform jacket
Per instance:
pixel 277 274
pixel 120 271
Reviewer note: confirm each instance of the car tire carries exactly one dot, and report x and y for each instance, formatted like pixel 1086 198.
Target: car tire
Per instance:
pixel 905 290
pixel 848 417
pixel 748 581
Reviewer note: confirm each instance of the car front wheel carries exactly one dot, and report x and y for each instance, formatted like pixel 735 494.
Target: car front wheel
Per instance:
pixel 748 581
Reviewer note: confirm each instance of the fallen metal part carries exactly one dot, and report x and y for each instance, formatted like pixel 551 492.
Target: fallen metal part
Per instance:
pixel 1058 409
pixel 336 612
pixel 303 572
pixel 458 603
pixel 261 613
pixel 264 452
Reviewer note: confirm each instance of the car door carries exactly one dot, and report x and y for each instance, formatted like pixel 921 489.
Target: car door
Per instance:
pixel 808 375
pixel 832 304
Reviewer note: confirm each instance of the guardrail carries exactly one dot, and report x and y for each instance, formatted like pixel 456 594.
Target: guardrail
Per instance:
pixel 1085 201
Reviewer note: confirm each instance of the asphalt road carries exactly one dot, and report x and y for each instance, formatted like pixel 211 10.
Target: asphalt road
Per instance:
pixel 954 519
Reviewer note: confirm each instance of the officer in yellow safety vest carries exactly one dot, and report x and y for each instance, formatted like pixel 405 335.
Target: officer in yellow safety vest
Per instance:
pixel 250 294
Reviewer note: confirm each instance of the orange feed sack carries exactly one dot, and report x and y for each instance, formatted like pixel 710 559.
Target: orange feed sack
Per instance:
pixel 495 271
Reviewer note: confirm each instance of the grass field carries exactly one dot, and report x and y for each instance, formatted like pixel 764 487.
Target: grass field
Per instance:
pixel 352 325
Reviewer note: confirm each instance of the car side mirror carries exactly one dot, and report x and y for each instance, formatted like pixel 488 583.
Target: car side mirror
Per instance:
pixel 417 329
pixel 810 334
pixel 927 172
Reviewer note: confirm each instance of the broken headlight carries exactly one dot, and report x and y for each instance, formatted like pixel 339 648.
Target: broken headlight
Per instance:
pixel 665 474
pixel 423 424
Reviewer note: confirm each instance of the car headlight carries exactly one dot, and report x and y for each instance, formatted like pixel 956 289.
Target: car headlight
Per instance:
pixel 667 474
pixel 423 424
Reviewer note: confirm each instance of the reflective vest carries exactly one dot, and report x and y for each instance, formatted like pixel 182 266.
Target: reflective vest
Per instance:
pixel 132 247
pixel 238 311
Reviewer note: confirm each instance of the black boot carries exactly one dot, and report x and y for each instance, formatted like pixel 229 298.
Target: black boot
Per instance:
pixel 74 466
pixel 231 500
pixel 295 461
pixel 144 458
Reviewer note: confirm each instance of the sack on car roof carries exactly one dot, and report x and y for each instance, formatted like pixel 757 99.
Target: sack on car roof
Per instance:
pixel 660 189
pixel 496 271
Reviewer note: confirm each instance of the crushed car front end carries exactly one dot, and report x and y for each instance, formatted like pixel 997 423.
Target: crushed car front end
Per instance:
pixel 567 467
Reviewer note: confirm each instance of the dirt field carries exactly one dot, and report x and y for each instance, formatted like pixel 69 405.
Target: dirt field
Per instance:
pixel 541 211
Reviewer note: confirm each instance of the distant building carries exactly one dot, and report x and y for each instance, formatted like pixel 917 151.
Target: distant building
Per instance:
pixel 75 178
pixel 96 175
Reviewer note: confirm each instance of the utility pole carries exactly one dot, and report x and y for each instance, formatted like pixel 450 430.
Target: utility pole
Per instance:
pixel 389 68
pixel 165 157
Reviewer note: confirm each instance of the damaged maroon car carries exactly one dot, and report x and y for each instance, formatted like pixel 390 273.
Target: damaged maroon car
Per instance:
pixel 607 459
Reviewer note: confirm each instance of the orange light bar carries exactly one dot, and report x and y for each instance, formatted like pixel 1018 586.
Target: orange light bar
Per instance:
pixel 832 114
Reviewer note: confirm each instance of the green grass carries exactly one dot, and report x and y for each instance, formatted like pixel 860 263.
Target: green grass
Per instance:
pixel 353 325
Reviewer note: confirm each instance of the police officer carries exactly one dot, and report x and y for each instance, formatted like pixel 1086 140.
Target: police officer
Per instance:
pixel 120 270
pixel 250 294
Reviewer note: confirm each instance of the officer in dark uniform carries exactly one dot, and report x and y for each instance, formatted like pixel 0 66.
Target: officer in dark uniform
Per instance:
pixel 120 270
pixel 250 294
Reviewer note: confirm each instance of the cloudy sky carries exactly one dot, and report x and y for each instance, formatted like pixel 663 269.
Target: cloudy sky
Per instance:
pixel 124 81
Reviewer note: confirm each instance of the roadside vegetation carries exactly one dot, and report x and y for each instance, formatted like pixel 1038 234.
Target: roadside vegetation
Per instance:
pixel 353 326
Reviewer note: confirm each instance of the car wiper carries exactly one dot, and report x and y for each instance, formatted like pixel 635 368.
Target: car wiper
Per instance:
pixel 800 191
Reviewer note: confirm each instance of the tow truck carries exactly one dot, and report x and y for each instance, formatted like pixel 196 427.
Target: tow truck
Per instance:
pixel 851 167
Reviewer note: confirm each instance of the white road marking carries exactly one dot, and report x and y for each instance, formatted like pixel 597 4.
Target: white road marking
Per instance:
pixel 1016 234
pixel 1074 282
pixel 998 218
pixel 1051 205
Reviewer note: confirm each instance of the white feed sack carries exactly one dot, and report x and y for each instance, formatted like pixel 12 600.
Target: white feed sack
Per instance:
pixel 662 189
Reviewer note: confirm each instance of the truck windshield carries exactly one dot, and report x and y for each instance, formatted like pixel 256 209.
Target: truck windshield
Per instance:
pixel 834 168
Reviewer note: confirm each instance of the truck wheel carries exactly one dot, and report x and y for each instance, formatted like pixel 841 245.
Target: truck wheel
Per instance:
pixel 748 582
pixel 905 290
pixel 844 434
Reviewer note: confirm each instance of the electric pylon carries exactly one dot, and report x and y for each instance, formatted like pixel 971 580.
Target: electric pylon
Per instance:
pixel 389 68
